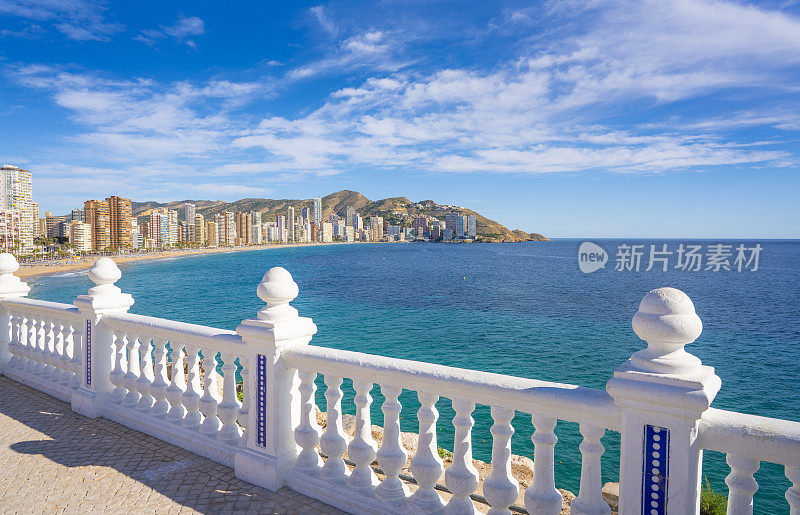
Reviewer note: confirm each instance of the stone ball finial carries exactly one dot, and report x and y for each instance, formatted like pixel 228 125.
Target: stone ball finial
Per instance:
pixel 104 274
pixel 8 264
pixel 667 321
pixel 277 289
pixel 667 316
pixel 10 284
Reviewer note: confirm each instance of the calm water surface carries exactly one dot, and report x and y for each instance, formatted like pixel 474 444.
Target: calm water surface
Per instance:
pixel 520 309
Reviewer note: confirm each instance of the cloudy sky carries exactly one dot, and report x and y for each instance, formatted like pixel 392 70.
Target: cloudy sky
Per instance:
pixel 667 118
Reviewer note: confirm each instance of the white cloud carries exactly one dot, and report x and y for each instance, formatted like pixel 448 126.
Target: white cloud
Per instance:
pixel 182 31
pixel 319 14
pixel 81 20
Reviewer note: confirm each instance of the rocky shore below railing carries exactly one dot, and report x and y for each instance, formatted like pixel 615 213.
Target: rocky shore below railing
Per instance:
pixel 521 467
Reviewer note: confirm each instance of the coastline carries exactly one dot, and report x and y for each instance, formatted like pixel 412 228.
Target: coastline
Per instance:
pixel 84 263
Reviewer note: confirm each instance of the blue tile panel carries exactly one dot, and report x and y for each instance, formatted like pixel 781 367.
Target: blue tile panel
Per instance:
pixel 88 353
pixel 261 400
pixel 655 471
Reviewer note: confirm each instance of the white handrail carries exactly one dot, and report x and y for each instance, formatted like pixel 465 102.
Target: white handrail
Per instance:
pixel 563 401
pixel 43 307
pixel 200 335
pixel 751 436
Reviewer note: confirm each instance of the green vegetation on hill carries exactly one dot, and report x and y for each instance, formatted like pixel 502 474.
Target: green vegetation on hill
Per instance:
pixel 396 210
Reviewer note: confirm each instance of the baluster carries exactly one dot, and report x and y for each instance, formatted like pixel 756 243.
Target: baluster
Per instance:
pixel 461 477
pixel 333 441
pixel 47 342
pixel 33 345
pixel 14 347
pixel 76 362
pixel 41 354
pixel 60 344
pixel 590 498
pixel 67 331
pixel 362 449
pixel 117 375
pixel 793 493
pixel 500 488
pixel 426 465
pixel 391 455
pixel 191 397
pixel 177 384
pixel 741 485
pixel 542 496
pixel 244 414
pixel 210 399
pixel 307 434
pixel 229 408
pixel 22 343
pixel 145 377
pixel 131 377
pixel 158 388
pixel 51 358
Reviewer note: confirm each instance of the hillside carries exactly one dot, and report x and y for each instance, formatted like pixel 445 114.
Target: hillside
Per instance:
pixel 397 210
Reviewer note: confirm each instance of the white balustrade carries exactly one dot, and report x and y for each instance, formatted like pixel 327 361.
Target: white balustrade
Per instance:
pixel 210 399
pixel 117 375
pixel 307 433
pixel 108 362
pixel 177 385
pixel 590 498
pixel 228 409
pixel 461 477
pixel 158 388
pixel 793 493
pixel 334 441
pixel 146 375
pixel 391 455
pixel 191 397
pixel 362 449
pixel 741 485
pixel 131 378
pixel 426 465
pixel 500 488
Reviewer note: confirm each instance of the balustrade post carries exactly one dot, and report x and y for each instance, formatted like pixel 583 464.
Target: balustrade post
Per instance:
pixel 11 286
pixel 274 410
pixel 98 341
pixel 661 392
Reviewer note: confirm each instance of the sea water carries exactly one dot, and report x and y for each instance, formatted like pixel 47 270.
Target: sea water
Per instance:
pixel 523 309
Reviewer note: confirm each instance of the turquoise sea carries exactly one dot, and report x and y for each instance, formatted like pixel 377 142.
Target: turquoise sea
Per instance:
pixel 522 309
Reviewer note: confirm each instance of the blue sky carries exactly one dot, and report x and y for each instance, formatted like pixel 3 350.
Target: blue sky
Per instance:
pixel 668 118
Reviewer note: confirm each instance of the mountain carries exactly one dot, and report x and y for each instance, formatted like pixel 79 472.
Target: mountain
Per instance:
pixel 397 210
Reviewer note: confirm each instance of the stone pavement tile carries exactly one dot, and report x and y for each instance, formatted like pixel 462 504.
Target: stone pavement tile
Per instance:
pixel 55 461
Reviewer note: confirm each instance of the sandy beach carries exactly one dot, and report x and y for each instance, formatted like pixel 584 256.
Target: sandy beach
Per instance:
pixel 55 266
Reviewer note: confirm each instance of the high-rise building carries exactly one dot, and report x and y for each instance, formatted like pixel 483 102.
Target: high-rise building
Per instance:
pixel 350 216
pixel 376 228
pixel 119 215
pixel 305 212
pixel 420 226
pixel 450 226
pixel 327 232
pixel 318 213
pixel 212 234
pixel 199 229
pixel 16 193
pixel 290 221
pixel 97 216
pixel 190 212
pixel 77 215
pixel 461 226
pixel 80 235
pixel 226 228
pixel 244 228
pixel 472 226
pixel 10 229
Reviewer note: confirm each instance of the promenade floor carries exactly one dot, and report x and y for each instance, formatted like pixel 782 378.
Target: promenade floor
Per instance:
pixel 55 461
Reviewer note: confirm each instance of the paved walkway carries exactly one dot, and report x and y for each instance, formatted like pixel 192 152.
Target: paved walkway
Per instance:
pixel 54 460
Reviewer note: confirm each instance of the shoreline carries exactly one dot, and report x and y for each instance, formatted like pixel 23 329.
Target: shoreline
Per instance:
pixel 84 263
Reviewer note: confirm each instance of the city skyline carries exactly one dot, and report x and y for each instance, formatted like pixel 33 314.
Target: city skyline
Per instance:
pixel 605 127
